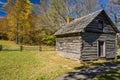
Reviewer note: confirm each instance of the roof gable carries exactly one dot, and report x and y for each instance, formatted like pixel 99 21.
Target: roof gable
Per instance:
pixel 79 24
pixel 106 25
pixel 111 22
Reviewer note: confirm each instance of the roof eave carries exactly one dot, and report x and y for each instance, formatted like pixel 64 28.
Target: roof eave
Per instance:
pixel 69 33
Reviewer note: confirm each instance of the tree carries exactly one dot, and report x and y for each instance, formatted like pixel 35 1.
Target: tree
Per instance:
pixel 31 33
pixel 84 7
pixel 114 6
pixel 3 24
pixel 54 12
pixel 10 18
pixel 3 28
pixel 18 13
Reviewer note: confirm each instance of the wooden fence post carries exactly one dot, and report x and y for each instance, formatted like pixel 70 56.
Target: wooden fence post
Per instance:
pixel 40 48
pixel 0 47
pixel 39 40
pixel 21 48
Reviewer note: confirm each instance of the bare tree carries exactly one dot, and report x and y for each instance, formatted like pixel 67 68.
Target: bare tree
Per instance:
pixel 115 1
pixel 114 6
pixel 55 13
pixel 83 7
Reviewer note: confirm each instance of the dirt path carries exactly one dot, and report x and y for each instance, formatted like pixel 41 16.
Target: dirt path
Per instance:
pixel 88 74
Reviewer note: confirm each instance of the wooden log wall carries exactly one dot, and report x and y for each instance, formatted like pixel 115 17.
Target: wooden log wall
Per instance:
pixel 69 47
pixel 90 45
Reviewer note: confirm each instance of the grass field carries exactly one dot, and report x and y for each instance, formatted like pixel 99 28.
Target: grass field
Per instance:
pixel 32 65
pixel 44 65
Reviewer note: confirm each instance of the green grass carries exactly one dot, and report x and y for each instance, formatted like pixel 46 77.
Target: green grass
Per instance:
pixel 33 65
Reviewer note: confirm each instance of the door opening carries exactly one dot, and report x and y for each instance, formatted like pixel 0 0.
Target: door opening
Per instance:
pixel 101 48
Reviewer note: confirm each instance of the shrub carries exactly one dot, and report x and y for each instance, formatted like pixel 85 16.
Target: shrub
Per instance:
pixel 48 39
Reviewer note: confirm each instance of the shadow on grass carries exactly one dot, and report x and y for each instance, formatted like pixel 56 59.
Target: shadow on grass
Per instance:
pixel 110 75
pixel 87 73
pixel 118 57
pixel 81 67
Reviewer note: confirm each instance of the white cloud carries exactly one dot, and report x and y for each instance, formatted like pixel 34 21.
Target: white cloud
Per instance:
pixel 2 2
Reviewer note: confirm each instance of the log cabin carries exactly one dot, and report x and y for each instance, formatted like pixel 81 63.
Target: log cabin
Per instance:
pixel 90 37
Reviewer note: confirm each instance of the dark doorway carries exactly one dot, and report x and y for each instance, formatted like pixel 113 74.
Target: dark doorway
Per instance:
pixel 101 48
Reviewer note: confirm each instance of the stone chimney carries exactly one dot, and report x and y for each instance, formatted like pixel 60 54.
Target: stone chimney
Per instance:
pixel 68 20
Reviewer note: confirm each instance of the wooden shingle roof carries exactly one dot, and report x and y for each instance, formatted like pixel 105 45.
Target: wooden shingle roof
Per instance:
pixel 79 24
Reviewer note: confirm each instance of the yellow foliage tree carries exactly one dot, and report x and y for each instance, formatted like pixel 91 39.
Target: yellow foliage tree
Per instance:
pixel 18 13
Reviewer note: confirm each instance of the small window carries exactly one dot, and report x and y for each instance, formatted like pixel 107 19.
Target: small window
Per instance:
pixel 100 24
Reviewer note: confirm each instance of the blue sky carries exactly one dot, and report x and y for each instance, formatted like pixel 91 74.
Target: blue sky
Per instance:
pixel 104 2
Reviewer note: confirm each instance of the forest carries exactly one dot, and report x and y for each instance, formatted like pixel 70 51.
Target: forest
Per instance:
pixel 27 23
